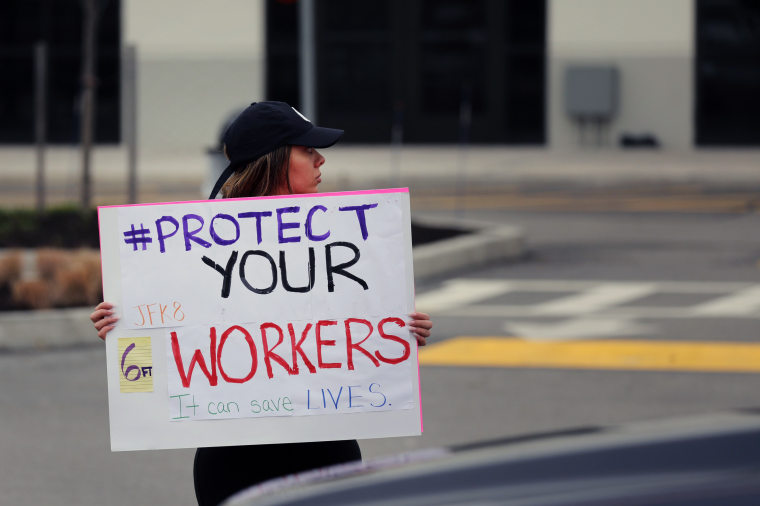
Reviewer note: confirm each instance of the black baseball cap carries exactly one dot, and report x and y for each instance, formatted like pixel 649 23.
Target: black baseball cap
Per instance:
pixel 264 126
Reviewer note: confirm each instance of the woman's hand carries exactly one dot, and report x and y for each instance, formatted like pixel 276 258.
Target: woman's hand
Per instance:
pixel 103 319
pixel 420 326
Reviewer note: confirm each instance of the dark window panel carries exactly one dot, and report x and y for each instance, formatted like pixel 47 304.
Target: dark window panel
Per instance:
pixel 354 17
pixel 362 67
pixel 451 73
pixel 458 16
pixel 727 73
pixel 355 66
pixel 57 22
pixel 282 51
pixel 419 60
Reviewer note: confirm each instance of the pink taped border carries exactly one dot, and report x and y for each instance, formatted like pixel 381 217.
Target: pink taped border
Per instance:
pixel 267 197
pixel 419 383
pixel 100 250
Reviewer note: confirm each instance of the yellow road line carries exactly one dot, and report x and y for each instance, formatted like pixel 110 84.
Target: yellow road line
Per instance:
pixel 626 355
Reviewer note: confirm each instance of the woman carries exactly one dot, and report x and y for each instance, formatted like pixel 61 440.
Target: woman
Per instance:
pixel 271 148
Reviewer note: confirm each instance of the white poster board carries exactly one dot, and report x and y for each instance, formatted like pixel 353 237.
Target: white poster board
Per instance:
pixel 260 320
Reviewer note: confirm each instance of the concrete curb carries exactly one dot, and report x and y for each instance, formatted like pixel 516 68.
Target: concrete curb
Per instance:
pixel 47 328
pixel 483 243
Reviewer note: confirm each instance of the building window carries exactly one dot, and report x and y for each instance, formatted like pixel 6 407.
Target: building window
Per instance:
pixel 420 64
pixel 58 23
pixel 282 51
pixel 727 73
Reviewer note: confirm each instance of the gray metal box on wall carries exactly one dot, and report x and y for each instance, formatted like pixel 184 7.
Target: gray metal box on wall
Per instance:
pixel 591 92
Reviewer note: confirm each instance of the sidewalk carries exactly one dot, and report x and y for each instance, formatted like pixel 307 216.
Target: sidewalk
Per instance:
pixel 425 169
pixel 482 166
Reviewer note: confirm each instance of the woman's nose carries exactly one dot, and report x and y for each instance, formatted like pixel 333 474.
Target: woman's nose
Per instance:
pixel 320 159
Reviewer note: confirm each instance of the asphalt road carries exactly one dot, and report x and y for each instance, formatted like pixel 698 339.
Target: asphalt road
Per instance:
pixel 54 432
pixel 700 252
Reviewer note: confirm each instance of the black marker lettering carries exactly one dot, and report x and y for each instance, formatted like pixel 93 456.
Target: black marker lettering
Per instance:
pixel 341 268
pixel 284 271
pixel 264 254
pixel 226 272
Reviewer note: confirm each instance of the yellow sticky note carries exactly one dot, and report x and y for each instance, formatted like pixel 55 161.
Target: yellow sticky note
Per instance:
pixel 135 364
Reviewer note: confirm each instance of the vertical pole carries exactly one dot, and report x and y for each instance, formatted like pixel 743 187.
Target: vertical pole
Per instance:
pixel 306 62
pixel 465 125
pixel 87 124
pixel 129 69
pixel 40 118
pixel 397 140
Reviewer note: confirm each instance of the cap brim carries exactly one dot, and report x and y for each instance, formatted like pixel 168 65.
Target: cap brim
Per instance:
pixel 318 137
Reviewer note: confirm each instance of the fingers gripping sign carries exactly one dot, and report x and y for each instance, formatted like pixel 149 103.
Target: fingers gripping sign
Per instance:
pixel 104 318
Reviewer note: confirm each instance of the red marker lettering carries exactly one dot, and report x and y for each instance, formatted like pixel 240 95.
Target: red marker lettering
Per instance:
pixel 269 353
pixel 296 347
pixel 350 345
pixel 391 337
pixel 325 342
pixel 251 346
pixel 197 359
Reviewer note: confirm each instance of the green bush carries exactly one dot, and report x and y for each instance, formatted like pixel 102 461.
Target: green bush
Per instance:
pixel 60 227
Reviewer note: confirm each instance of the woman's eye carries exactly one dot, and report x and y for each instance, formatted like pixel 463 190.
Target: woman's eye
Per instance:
pixel 309 150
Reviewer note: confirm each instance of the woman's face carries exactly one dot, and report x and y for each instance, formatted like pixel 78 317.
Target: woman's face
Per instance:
pixel 304 172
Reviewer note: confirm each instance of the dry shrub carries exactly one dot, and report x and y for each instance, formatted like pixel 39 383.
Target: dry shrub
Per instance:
pixel 10 267
pixel 32 294
pixel 89 260
pixel 72 288
pixel 90 264
pixel 50 261
pixel 65 278
pixel 79 282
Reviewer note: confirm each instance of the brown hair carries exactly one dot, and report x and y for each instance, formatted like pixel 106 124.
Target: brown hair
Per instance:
pixel 263 176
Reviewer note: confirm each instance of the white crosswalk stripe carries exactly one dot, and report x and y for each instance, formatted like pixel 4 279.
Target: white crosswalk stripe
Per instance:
pixel 577 328
pixel 460 292
pixel 739 303
pixel 473 298
pixel 595 299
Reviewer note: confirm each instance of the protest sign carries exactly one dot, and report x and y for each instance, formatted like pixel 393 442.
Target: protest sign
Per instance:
pixel 260 320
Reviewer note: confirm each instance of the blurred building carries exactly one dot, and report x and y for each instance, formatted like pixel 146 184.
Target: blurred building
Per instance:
pixel 565 74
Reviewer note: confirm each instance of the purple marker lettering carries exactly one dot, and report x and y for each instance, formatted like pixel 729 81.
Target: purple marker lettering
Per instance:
pixel 258 215
pixel 160 230
pixel 190 235
pixel 131 368
pixel 217 238
pixel 286 225
pixel 360 216
pixel 307 226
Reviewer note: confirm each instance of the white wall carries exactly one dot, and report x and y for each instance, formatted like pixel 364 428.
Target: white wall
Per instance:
pixel 652 44
pixel 198 61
